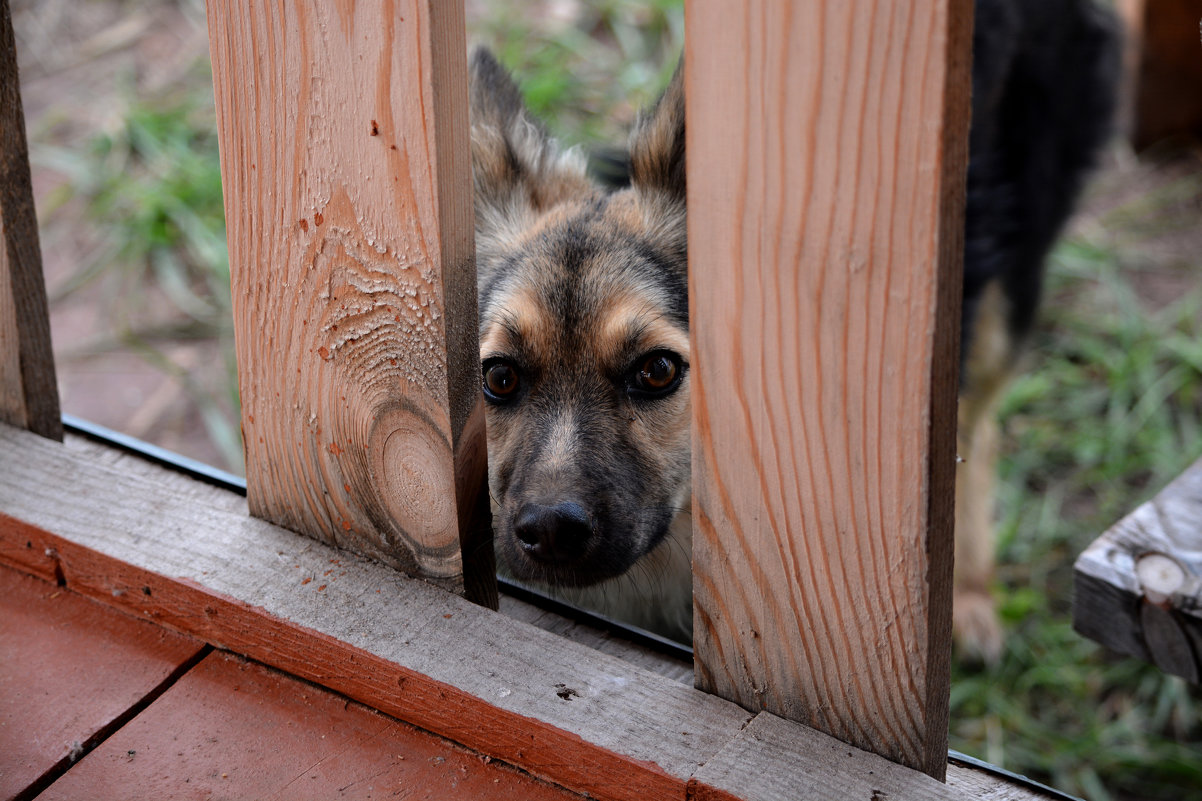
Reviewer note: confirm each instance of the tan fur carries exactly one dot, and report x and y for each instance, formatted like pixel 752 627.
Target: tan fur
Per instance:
pixel 657 149
pixel 526 319
pixel 630 314
pixel 987 371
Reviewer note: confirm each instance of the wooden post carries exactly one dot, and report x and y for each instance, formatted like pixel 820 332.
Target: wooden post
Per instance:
pixel 827 147
pixel 346 171
pixel 28 392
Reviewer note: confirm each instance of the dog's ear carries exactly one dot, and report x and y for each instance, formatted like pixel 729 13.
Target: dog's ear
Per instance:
pixel 657 153
pixel 518 169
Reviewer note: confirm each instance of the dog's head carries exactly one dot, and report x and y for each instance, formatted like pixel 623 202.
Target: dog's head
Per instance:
pixel 584 345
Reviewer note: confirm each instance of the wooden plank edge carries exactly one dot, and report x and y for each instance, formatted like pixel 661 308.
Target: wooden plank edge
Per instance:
pixel 539 747
pixel 561 725
pixel 24 314
pixel 773 758
pixel 547 748
pixel 1112 606
pixel 519 602
pixel 93 741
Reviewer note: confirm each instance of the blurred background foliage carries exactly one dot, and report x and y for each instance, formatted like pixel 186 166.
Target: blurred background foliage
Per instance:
pixel 120 109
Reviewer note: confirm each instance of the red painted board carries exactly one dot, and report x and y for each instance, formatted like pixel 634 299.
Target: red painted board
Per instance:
pixel 454 712
pixel 237 729
pixel 70 669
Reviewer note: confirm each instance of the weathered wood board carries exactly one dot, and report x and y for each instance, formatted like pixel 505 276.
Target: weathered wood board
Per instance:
pixel 772 758
pixel 827 151
pixel 971 777
pixel 28 391
pixel 348 199
pixel 560 710
pixel 1138 587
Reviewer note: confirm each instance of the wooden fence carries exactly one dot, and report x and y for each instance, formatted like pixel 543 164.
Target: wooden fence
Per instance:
pixel 827 153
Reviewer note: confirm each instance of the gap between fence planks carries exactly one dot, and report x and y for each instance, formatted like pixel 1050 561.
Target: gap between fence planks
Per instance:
pixel 28 389
pixel 562 711
pixel 827 151
pixel 348 198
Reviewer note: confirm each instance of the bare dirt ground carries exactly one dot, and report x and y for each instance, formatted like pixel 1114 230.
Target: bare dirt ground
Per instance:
pixel 81 65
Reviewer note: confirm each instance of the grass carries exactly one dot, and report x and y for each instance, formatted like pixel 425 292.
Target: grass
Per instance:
pixel 1107 414
pixel 587 70
pixel 1109 410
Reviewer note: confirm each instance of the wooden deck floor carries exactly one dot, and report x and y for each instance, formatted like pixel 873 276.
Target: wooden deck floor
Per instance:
pixel 100 705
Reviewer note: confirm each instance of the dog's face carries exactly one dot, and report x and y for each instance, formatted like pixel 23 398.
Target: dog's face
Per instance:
pixel 584 342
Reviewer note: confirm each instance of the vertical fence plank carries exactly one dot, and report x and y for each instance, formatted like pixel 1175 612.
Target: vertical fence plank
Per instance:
pixel 28 392
pixel 348 202
pixel 827 151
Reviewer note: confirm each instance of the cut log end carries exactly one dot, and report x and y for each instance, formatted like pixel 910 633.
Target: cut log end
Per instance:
pixel 1160 576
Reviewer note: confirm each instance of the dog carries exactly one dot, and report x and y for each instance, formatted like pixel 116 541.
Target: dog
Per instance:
pixel 584 328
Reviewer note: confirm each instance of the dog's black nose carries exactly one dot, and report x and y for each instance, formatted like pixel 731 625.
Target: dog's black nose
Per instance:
pixel 553 533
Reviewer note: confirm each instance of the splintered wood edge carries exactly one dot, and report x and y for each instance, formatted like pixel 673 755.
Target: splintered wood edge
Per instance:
pixel 1110 576
pixel 560 710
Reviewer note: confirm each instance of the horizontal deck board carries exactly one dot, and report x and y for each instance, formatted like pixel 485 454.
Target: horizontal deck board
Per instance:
pixel 236 729
pixel 772 758
pixel 184 486
pixel 160 545
pixel 561 710
pixel 70 671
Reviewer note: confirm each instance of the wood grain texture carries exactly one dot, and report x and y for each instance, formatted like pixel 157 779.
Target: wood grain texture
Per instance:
pixel 984 782
pixel 827 151
pixel 678 670
pixel 181 486
pixel 1111 604
pixel 750 768
pixel 28 391
pixel 343 132
pixel 774 760
pixel 976 781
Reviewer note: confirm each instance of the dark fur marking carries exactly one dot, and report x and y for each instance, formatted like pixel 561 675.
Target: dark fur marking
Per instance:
pixel 1043 99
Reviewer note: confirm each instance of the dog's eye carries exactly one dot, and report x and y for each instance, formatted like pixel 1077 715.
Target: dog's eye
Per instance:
pixel 655 374
pixel 500 381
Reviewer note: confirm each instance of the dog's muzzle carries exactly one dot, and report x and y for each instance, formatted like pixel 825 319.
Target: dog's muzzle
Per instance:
pixel 553 533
